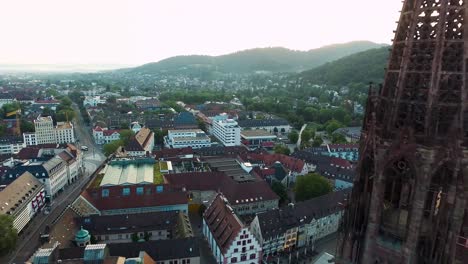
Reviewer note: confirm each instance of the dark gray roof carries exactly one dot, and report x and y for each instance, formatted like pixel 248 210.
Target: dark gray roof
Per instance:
pixel 114 224
pixel 159 249
pixel 262 122
pixel 276 222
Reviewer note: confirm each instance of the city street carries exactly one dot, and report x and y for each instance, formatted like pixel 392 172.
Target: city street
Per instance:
pixel 29 239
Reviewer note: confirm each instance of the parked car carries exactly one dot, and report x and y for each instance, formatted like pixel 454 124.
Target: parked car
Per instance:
pixel 84 148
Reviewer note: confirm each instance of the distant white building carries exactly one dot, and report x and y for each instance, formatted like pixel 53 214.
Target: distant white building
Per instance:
pixel 227 131
pixel 30 139
pixel 93 101
pixel 182 138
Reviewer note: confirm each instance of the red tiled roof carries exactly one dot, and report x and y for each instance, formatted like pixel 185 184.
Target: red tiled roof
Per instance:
pixel 110 132
pixel 223 223
pixel 236 193
pixel 28 153
pixel 333 146
pixel 289 162
pixel 98 129
pixel 116 200
pixel 340 162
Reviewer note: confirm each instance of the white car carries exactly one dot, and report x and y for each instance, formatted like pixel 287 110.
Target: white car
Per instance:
pixel 84 148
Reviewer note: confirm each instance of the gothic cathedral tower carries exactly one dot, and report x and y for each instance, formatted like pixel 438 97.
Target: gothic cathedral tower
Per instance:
pixel 410 201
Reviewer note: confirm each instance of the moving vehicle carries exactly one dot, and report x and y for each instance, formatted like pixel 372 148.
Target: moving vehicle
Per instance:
pixel 84 148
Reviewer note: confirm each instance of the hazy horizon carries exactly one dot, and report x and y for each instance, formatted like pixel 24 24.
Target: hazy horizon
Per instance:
pixel 129 33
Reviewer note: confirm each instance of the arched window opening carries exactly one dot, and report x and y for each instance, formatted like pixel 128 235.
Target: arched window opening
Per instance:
pixel 437 191
pixel 399 184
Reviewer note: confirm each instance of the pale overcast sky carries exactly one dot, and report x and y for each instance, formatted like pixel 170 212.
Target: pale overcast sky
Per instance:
pixel 141 31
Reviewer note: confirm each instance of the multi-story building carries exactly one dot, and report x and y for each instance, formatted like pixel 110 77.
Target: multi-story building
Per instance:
pixel 46 133
pixel 229 239
pixel 124 228
pixel 22 199
pixel 246 198
pixel 44 130
pixel 180 251
pixel 104 135
pixel 130 199
pixel 64 133
pixel 11 144
pixel 271 125
pixel 141 144
pixel 227 131
pixel 54 170
pixel 300 224
pixel 30 139
pixel 182 138
pixel 93 101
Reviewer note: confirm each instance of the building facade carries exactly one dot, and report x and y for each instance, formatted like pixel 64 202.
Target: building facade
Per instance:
pixel 229 239
pixel 11 145
pixel 183 138
pixel 64 133
pixel 227 131
pixel 22 199
pixel 44 130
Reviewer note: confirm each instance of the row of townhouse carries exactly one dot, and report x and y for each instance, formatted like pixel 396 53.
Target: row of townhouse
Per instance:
pixel 54 171
pixel 299 225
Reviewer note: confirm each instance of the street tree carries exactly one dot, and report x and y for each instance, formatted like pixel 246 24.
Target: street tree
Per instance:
pixel 8 234
pixel 310 186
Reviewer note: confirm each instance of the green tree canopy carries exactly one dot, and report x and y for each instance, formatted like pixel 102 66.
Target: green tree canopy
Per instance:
pixel 338 139
pixel 8 235
pixel 310 186
pixel 293 136
pixel 280 190
pixel 332 125
pixel 126 135
pixel 111 147
pixel 281 149
pixel 318 141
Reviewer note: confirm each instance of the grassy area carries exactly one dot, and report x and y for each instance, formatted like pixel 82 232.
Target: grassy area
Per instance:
pixel 163 166
pixel 158 178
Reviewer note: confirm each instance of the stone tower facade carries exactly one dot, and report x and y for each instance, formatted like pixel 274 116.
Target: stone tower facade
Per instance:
pixel 410 201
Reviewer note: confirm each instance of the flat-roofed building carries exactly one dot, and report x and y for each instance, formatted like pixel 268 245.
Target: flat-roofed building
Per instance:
pixel 227 131
pixel 64 133
pixel 183 138
pixel 128 172
pixel 257 138
pixel 44 129
pixel 22 199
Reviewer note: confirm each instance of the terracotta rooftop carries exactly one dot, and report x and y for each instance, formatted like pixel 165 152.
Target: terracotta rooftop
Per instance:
pixel 222 222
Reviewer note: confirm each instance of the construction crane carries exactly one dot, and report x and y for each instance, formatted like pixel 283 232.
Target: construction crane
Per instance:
pixel 18 123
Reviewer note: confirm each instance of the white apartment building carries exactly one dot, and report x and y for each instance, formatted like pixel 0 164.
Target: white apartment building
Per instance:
pixel 104 135
pixel 227 131
pixel 240 246
pixel 182 138
pixel 44 130
pixel 46 133
pixel 11 145
pixel 30 139
pixel 93 101
pixel 64 133
pixel 22 199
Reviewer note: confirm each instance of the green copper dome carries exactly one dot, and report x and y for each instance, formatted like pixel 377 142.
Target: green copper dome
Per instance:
pixel 82 235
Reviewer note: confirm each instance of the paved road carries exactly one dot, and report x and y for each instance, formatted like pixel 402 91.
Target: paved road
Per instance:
pixel 300 136
pixel 28 241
